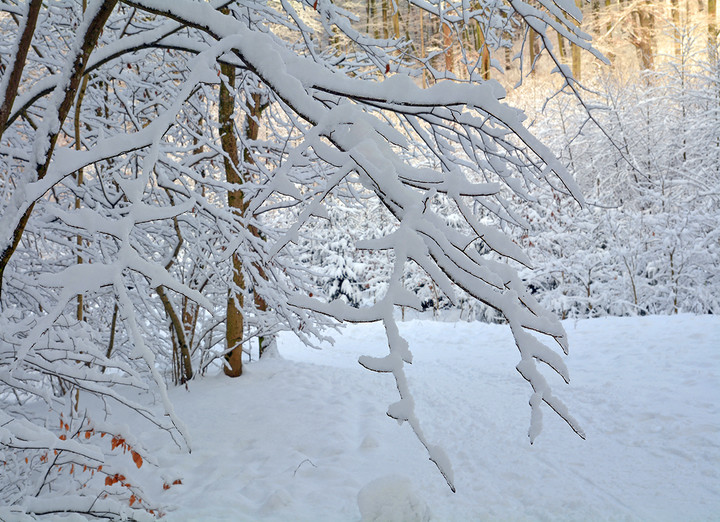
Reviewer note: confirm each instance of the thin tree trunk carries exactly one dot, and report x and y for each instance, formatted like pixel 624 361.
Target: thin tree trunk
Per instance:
pixel 176 323
pixel 632 281
pixel 576 63
pixel 561 48
pixel 396 19
pixel 482 47
pixel 422 45
pixel 576 55
pixel 675 15
pixel 234 319
pixel 111 342
pixel 532 35
pixel 368 14
pixel 385 23
pixel 643 37
pixel 177 326
pixel 79 179
pixel 674 281
pixel 372 8
pixel 447 44
pixel 15 70
pixel 175 356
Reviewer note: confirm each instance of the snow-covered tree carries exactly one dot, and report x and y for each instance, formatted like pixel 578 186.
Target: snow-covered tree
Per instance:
pixel 152 239
pixel 645 244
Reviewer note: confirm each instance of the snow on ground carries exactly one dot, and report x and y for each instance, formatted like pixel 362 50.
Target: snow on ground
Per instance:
pixel 305 437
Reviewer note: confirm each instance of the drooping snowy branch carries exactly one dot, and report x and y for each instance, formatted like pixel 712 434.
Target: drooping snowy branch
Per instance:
pixel 107 273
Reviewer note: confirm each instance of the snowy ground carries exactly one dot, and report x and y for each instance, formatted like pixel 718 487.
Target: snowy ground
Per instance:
pixel 306 437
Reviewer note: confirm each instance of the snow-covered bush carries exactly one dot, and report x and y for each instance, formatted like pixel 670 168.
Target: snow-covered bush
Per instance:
pixel 646 244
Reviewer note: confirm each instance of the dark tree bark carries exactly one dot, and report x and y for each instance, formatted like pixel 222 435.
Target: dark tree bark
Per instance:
pixel 15 69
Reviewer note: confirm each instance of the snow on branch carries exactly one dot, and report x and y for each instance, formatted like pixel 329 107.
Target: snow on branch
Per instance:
pixel 123 249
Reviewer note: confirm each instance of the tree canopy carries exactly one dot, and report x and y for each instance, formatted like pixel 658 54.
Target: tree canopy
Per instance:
pixel 135 214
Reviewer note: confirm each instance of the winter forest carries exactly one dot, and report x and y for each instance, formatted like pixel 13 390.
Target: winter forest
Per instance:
pixel 198 198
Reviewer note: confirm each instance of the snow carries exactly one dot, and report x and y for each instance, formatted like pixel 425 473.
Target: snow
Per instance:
pixel 306 437
pixel 391 498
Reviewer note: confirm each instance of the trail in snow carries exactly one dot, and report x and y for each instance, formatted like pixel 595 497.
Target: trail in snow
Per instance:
pixel 299 438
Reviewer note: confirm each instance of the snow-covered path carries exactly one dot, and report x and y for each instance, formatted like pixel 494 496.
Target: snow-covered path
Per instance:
pixel 298 438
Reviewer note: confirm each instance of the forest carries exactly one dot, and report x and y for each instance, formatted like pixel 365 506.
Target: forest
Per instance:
pixel 182 184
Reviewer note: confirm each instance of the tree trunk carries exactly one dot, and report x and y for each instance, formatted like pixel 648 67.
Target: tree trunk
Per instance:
pixel 532 35
pixel 644 34
pixel 422 45
pixel 234 318
pixel 677 37
pixel 385 22
pixel 674 281
pixel 177 326
pixel 396 19
pixel 561 48
pixel 482 47
pixel 447 44
pixel 181 347
pixel 79 179
pixel 111 341
pixel 576 55
pixel 712 24
pixel 15 70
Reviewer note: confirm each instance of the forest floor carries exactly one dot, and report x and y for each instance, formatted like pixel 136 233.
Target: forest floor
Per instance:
pixel 305 436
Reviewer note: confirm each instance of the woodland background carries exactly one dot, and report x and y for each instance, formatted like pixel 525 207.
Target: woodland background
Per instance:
pixel 643 146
